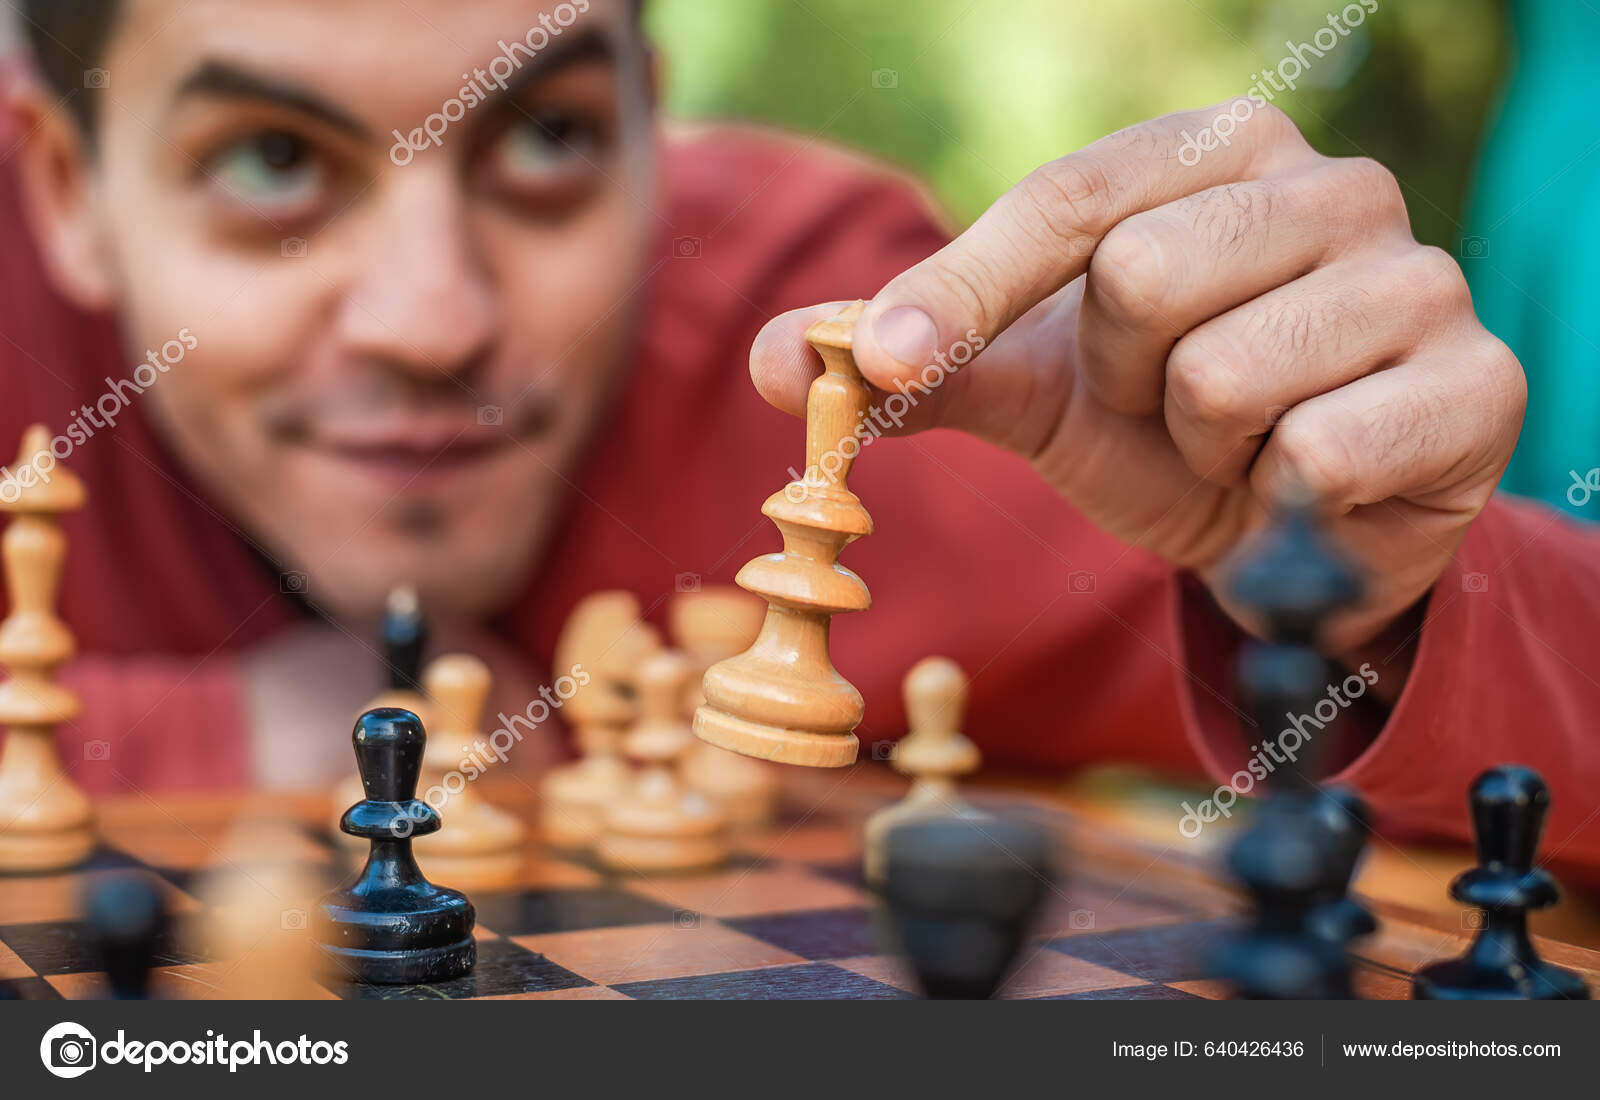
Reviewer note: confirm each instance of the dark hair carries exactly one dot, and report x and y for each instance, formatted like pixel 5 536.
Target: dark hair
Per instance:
pixel 69 38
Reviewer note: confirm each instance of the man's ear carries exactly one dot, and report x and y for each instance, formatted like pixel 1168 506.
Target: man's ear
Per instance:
pixel 55 168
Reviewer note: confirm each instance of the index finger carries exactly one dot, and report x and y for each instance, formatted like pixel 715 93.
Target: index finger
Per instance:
pixel 1040 235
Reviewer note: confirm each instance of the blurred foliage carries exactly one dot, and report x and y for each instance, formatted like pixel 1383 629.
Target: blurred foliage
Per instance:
pixel 971 94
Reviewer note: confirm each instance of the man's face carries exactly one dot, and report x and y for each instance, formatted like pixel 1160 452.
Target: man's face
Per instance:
pixel 399 345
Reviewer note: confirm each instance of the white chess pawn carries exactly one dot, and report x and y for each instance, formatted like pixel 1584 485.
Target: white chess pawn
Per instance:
pixel 480 846
pixel 605 641
pixel 662 824
pixel 712 625
pixel 934 753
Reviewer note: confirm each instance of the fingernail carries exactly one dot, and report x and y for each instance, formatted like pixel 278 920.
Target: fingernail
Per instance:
pixel 907 334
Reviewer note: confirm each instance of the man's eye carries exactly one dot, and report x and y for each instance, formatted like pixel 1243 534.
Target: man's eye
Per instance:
pixel 271 171
pixel 541 146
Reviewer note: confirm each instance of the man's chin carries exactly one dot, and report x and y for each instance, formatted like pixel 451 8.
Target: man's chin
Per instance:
pixel 453 585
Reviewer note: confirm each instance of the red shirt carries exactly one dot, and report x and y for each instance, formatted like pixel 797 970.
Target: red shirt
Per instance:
pixel 973 557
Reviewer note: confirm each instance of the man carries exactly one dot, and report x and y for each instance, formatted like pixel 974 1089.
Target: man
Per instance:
pixel 462 316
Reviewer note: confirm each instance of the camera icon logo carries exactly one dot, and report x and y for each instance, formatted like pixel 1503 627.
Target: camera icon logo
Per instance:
pixel 1080 919
pixel 293 920
pixel 1474 582
pixel 885 78
pixel 686 582
pixel 491 415
pixel 686 248
pixel 1474 248
pixel 68 1050
pixel 97 750
pixel 686 918
pixel 1472 919
pixel 1081 583
pixel 96 78
pixel 293 248
pixel 293 583
pixel 883 750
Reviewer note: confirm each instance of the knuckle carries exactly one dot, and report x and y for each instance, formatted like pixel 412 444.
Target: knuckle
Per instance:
pixel 1434 274
pixel 1374 184
pixel 1501 375
pixel 966 288
pixel 1317 456
pixel 1275 130
pixel 1271 116
pixel 1201 381
pixel 1071 196
pixel 1130 274
pixel 1226 217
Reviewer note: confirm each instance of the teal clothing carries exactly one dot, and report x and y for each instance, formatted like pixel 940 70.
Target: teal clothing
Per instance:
pixel 1531 247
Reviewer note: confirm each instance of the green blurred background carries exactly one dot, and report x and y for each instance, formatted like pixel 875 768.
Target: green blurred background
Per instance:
pixel 984 90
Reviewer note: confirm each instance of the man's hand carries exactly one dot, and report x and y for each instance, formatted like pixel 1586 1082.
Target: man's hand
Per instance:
pixel 1175 346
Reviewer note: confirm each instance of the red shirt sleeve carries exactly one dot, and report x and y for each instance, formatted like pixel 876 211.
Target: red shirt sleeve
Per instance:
pixel 1506 670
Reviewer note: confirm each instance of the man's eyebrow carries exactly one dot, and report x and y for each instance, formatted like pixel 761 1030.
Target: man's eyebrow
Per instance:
pixel 231 81
pixel 587 45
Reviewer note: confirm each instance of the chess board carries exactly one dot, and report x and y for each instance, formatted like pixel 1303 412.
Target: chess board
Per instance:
pixel 789 918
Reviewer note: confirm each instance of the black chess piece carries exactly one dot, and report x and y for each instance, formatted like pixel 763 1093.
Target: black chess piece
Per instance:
pixel 961 895
pixel 1335 915
pixel 1294 581
pixel 127 921
pixel 1282 861
pixel 389 925
pixel 403 637
pixel 1297 859
pixel 1509 804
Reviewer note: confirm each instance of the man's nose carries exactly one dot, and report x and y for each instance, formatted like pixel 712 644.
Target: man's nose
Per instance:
pixel 422 299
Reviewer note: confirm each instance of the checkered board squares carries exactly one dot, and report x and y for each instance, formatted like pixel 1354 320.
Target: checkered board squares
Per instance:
pixel 789 917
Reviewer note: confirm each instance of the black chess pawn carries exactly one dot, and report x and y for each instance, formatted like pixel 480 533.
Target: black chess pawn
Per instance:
pixel 1509 804
pixel 403 636
pixel 1293 580
pixel 127 921
pixel 961 896
pixel 1282 862
pixel 389 925
pixel 1335 915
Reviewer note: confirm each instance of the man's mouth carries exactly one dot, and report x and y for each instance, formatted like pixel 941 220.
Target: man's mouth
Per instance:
pixel 417 452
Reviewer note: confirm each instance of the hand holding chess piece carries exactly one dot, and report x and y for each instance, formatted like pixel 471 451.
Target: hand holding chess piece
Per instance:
pixel 934 753
pixel 1509 805
pixel 46 822
pixel 662 824
pixel 481 846
pixel 711 625
pixel 782 699
pixel 604 639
